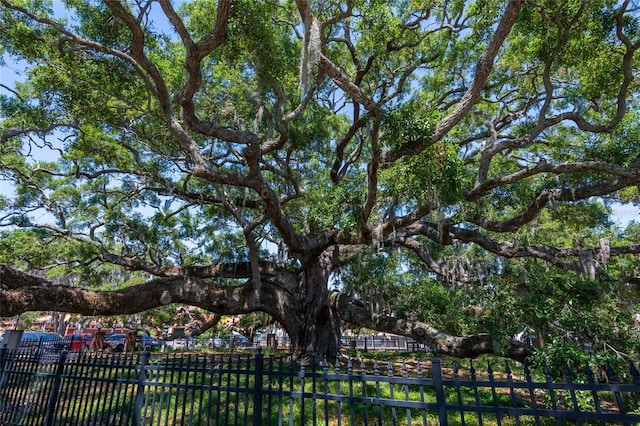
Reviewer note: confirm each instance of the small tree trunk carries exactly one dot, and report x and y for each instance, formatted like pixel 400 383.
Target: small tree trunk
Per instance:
pixel 57 319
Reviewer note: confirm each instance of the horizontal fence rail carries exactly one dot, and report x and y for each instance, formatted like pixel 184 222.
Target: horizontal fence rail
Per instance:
pixel 239 389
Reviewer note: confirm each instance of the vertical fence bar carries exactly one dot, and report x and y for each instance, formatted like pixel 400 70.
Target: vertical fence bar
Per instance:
pixel 314 403
pixel 203 387
pixel 237 387
pixel 4 360
pixel 270 387
pixel 129 380
pixel 151 408
pixel 391 393
pixel 196 368
pixel 112 386
pixel 4 376
pixel 325 382
pixel 512 393
pixel 532 395
pixel 421 387
pixel 363 380
pixel 227 398
pixel 405 375
pixel 552 393
pixel 219 397
pixel 247 382
pixel 211 369
pixel 98 403
pixel 198 390
pixel 40 390
pixel 203 377
pixel 494 395
pixel 165 377
pixel 352 414
pixel 270 382
pixel 173 402
pixel 613 379
pixel 182 400
pixel 75 396
pixel 634 373
pixel 594 392
pixel 438 384
pixel 186 401
pixel 376 375
pixel 281 384
pixel 456 380
pixel 568 374
pixel 476 394
pixel 69 392
pixel 338 389
pixel 83 368
pixel 301 374
pixel 137 412
pixel 257 390
pixel 291 375
pixel 52 403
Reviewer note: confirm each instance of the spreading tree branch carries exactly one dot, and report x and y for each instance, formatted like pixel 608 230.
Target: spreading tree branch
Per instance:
pixel 458 346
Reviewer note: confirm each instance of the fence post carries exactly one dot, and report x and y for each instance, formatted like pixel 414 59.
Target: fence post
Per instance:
pixel 257 389
pixel 144 358
pixel 53 397
pixel 4 360
pixel 438 385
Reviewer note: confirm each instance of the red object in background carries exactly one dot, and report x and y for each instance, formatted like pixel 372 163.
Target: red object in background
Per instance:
pixel 77 341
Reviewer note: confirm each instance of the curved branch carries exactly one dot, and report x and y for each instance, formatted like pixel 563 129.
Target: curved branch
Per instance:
pixel 12 278
pixel 458 346
pixel 215 270
pixel 483 69
pixel 442 270
pixel 149 69
pixel 196 52
pixel 350 88
pixel 372 184
pixel 515 223
pixel 624 177
pixel 12 132
pixel 22 292
pixel 204 198
pixel 553 255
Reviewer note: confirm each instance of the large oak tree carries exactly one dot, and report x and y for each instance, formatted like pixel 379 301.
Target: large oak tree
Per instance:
pixel 249 156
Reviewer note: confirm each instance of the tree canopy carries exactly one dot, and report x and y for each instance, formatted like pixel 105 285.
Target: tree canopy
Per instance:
pixel 439 169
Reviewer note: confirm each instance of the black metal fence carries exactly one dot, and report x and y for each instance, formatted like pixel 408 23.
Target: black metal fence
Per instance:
pixel 238 389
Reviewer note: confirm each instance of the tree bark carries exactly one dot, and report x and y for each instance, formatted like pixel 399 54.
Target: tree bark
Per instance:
pixel 317 330
pixel 300 302
pixel 457 346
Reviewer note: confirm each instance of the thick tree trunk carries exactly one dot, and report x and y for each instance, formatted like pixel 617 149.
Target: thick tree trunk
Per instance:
pixel 313 324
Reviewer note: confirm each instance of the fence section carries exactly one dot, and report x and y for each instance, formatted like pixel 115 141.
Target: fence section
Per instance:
pixel 239 389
